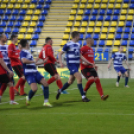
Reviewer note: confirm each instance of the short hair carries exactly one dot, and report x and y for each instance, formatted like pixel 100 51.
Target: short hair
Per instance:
pixel 74 34
pixel 23 43
pixel 47 39
pixel 13 36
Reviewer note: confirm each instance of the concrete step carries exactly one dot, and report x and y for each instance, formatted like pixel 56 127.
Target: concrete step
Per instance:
pixel 55 22
pixel 52 35
pixel 53 28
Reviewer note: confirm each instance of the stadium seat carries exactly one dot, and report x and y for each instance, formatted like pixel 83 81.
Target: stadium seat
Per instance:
pixel 115 17
pixel 28 36
pixel 67 30
pixel 130 56
pixel 3 24
pixel 108 18
pixel 33 43
pixel 97 30
pixel 40 24
pixel 125 36
pixel 131 43
pixel 41 1
pixel 13 18
pixel 117 6
pixel 91 23
pixel 5 18
pixel 30 11
pixel 116 42
pixel 71 17
pixel 35 18
pixel 102 43
pixel 22 30
pixel 104 30
pixel 78 17
pixel 70 23
pixel 122 17
pixel 20 18
pixel 1 11
pixel 127 30
pixel 124 43
pixel 90 30
pixel 132 36
pixel 80 12
pixel 104 1
pixel 84 23
pixel 99 50
pixel 37 11
pixel 130 11
pixel 8 12
pixel 13 1
pixel 10 23
pixel 35 37
pixel 2 6
pixel 73 12
pixel 88 36
pixel 103 6
pixel 124 11
pixel 27 1
pixel 89 6
pixel 20 36
pixel 20 1
pixel 128 23
pixel 22 12
pixel 82 6
pixel 93 18
pixel 24 6
pixel 80 42
pixel 100 18
pixel 96 36
pixel 106 23
pixel 131 50
pixel 44 12
pixel 129 17
pixel 95 11
pixel 17 6
pixel 95 43
pixel 87 12
pixel 18 24
pixel 131 6
pixel 110 36
pixel 10 6
pixel 118 36
pixel 112 30
pixel 30 30
pixel 133 30
pixel 109 43
pixel 34 1
pixel 8 30
pixel 27 17
pixel 99 23
pixel 32 6
pixel 15 30
pixel 102 11
pixel 46 6
pixel 114 23
pixel 48 1
pixel 7 35
pixel 85 18
pixel 65 36
pixel 1 30
pixel 125 6
pixel 33 24
pixel 38 30
pixel 39 6
pixel 116 11
pixel 115 49
pixel 110 6
pixel 75 29
pixel 81 36
pixel 119 1
pixel 42 18
pixel 121 23
pixel 119 29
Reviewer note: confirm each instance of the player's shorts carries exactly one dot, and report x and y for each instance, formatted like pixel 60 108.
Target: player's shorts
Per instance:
pixel 34 78
pixel 73 68
pixel 89 72
pixel 4 78
pixel 51 69
pixel 120 69
pixel 18 70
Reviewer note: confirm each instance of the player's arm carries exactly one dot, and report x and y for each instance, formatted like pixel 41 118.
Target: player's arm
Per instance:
pixel 127 63
pixel 110 62
pixel 60 58
pixel 42 62
pixel 26 61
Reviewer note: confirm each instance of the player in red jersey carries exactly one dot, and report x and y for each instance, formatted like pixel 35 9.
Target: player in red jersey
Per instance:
pixel 49 65
pixel 89 71
pixel 13 54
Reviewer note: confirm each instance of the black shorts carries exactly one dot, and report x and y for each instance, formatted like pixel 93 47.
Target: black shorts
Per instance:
pixel 4 78
pixel 88 72
pixel 18 70
pixel 51 69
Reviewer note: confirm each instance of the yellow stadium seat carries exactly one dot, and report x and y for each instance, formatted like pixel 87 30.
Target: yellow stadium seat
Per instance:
pixel 5 1
pixel 124 49
pixel 29 11
pixel 70 23
pixel 33 24
pixel 63 42
pixel 97 29
pixel 13 1
pixel 35 18
pixel 82 6
pixel 110 36
pixel 27 17
pixel 21 36
pixel 77 1
pixel 32 6
pixel 122 17
pixel 25 24
pixel 90 1
pixel 91 23
pixel 123 11
pixel 75 6
pixel 115 49
pixel 97 1
pixel 106 23
pixel 82 30
pixel 89 6
pixel 71 17
pixel 66 36
pixel 103 36
pixel 84 23
pixel 24 6
pixel 90 30
pixel 75 29
pixel 28 36
pixel 131 11
pixel 20 1
pixel 17 6
pixel 121 23
pixel 77 23
pixel 27 1
pixel 104 30
pixel 73 12
pixel 67 30
pixel 10 6
pixel 116 42
pixel 119 1
pixel 80 12
pixel 112 30
pixel 78 17
pixel 125 5
pixel 129 17
pixel 30 30
pixel 37 11
pixel 83 1
pixel 112 1
pixel 114 23
pixel 104 1
pixel 96 6
pixel 111 6
pixel 22 30
pixel 99 23
pixel 109 42
pixel 103 6
pixel 118 6
pixel 9 42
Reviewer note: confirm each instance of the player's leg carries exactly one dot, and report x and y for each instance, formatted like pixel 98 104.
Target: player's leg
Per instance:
pixel 126 79
pixel 2 89
pixel 118 79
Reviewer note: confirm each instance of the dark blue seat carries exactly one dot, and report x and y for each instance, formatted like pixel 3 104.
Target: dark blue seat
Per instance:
pixel 22 12
pixel 131 50
pixel 95 11
pixel 102 11
pixel 21 18
pixel 8 12
pixel 131 43
pixel 39 6
pixel 119 29
pixel 130 56
pixel 133 30
pixel 1 30
pixel 81 36
pixel 18 24
pixel 5 18
pixel 107 17
pixel 125 36
pixel 102 43
pixel 48 1
pixel 8 30
pixel 34 1
pixel 85 18
pixel 7 35
pixel 109 11
pixel 116 11
pixel 127 30
pixel 100 18
pixel 93 18
pixel 3 24
pixel 132 1
pixel 44 12
pixel 15 11
pixel 80 42
pixel 88 36
pixel 115 17
pixel 15 30
pixel 35 37
pixel 46 6
pixel 118 36
pixel 87 12
pixel 41 1
pixel 128 23
pixel 1 11
pixel 84 43
pixel 13 18
pixel 33 43
pixel 96 36
pixel 10 23
pixel 0 18
pixel 99 50
pixel 107 49
pixel 38 30
pixel 124 43
pixel 132 36
pixel 131 6
pixel 95 42
pixel 40 24
pixel 126 1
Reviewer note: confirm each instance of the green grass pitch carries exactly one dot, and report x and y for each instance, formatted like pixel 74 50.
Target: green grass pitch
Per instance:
pixel 69 114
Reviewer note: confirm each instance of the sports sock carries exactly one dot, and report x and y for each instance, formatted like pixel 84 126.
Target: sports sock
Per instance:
pixel 59 84
pixel 99 87
pixel 126 81
pixel 11 92
pixel 51 80
pixel 31 94
pixel 20 81
pixel 22 85
pixel 46 92
pixel 65 86
pixel 80 89
pixel 3 88
pixel 88 84
pixel 118 78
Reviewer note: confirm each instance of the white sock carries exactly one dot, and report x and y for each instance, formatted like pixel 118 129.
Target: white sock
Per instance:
pixel 83 96
pixel 46 100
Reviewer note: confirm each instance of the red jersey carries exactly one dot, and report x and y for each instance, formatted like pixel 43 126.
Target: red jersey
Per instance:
pixel 2 70
pixel 88 53
pixel 47 51
pixel 14 54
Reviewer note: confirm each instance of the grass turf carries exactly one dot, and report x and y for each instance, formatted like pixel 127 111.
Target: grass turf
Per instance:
pixel 69 115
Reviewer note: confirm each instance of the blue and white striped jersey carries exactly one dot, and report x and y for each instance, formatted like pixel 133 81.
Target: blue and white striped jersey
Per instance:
pixel 118 59
pixel 28 68
pixel 4 51
pixel 72 50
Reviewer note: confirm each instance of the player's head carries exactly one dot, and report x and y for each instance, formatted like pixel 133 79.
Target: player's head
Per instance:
pixel 24 44
pixel 48 41
pixel 120 48
pixel 14 38
pixel 3 38
pixel 90 42
pixel 19 46
pixel 75 36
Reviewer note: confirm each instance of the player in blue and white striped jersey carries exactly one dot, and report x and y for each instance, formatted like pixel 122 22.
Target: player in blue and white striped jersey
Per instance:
pixel 32 75
pixel 117 59
pixel 72 50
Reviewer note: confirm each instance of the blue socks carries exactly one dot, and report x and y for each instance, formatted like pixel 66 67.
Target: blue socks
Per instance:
pixel 118 78
pixel 65 86
pixel 80 89
pixel 126 81
pixel 46 92
pixel 31 94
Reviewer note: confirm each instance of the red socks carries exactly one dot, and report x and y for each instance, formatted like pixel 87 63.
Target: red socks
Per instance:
pixel 11 92
pixel 88 84
pixel 3 88
pixel 51 80
pixel 98 86
pixel 59 84
pixel 22 87
pixel 20 81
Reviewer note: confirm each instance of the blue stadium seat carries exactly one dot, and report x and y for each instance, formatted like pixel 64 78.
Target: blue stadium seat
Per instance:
pixel 109 11
pixel 131 50
pixel 46 6
pixel 125 36
pixel 131 43
pixel 8 12
pixel 115 17
pixel 131 6
pixel 44 12
pixel 93 49
pixel 95 11
pixel 120 29
pixel 81 36
pixel 100 18
pixel 87 12
pixel 93 18
pixel 0 17
pixel 35 37
pixel 15 11
pixel 1 12
pixel 39 6
pixel 102 43
pixel 80 41
pixel 128 23
pixel 1 30
pixel 96 36
pixel 130 56
pixel 132 1
pixel 126 1
pixel 15 30
pixel 88 36
pixel 85 18
pixel 107 49
pixel 41 1
pixel 7 35
pixel 34 1
pixel 133 30
pixel 13 18
pixel 8 30
pixel 22 12
pixel 99 50
pixel 3 24
pixel 33 43
pixel 127 30
pixel 133 24
pixel 40 24
pixel 5 18
pixel 10 23
pixel 124 43
pixel 95 42
pixel 18 24
pixel 48 1
pixel 102 11
pixel 117 11
pixel 107 17
pixel 38 30
pixel 84 43
pixel 118 36
pixel 42 18
pixel 132 36
pixel 20 18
